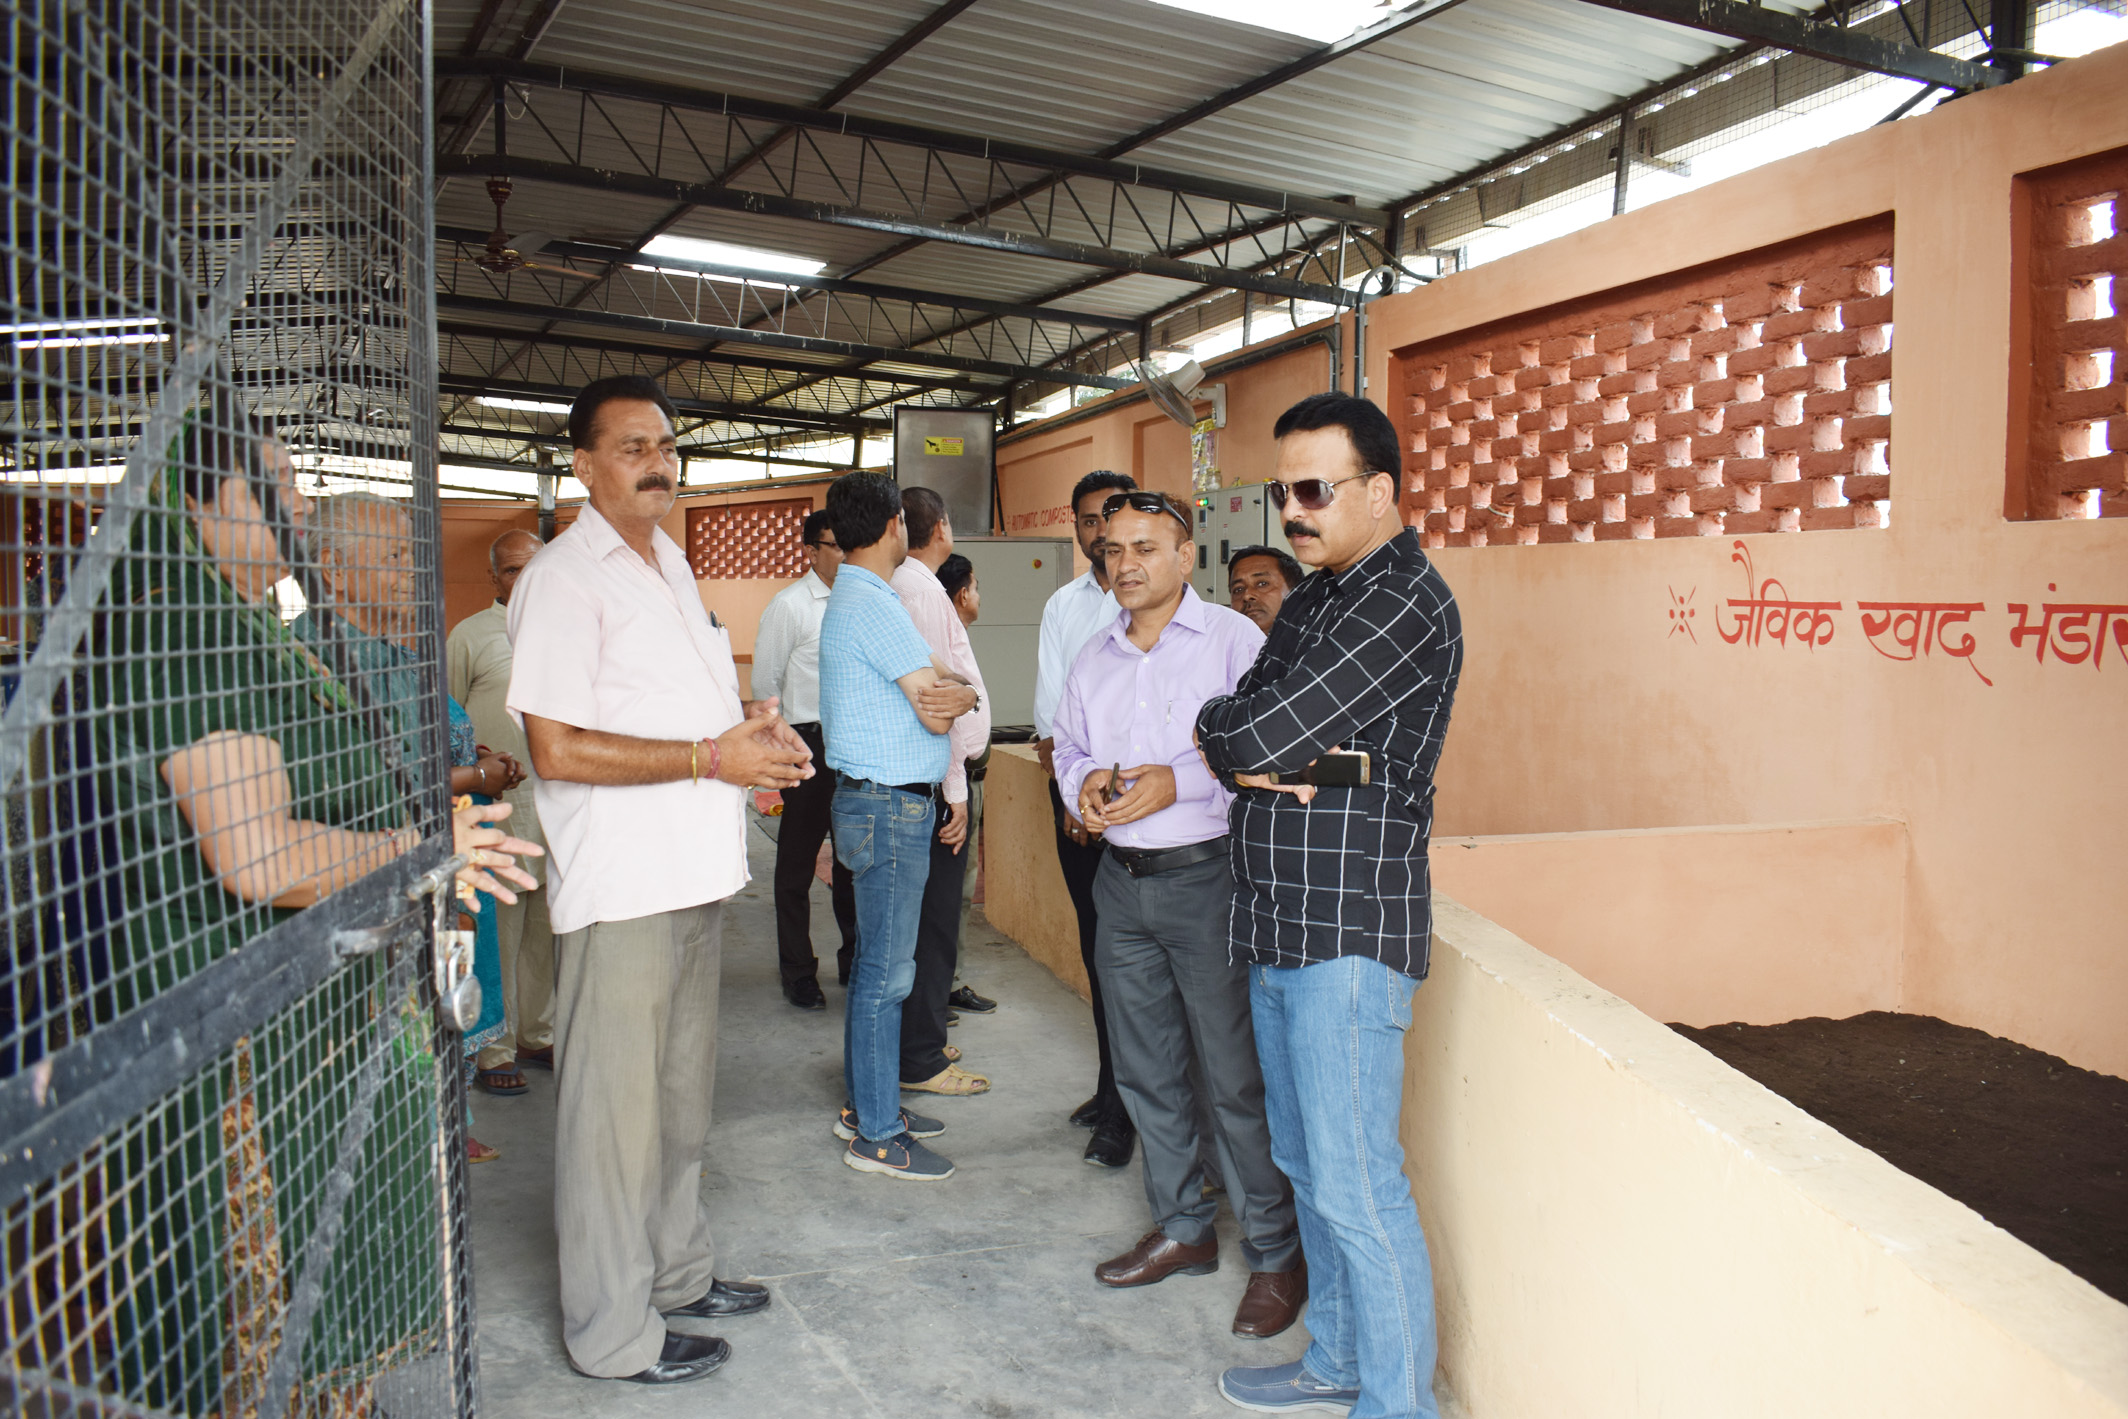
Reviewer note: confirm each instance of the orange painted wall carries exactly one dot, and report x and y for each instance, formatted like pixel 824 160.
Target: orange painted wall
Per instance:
pixel 1038 466
pixel 1583 705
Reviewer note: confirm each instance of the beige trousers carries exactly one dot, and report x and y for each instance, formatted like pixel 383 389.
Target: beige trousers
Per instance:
pixel 635 1044
pixel 527 943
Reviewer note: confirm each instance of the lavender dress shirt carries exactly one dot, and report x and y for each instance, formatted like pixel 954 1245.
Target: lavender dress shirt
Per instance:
pixel 1122 705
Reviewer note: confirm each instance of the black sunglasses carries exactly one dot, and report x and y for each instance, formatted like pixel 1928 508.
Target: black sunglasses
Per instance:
pixel 1314 494
pixel 1145 502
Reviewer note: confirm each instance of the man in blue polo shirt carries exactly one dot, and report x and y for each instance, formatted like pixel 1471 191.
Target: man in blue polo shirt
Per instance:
pixel 884 712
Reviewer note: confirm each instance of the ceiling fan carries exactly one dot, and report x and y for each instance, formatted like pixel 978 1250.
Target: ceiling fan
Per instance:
pixel 503 254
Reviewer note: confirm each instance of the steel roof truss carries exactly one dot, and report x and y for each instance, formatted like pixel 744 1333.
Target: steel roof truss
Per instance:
pixel 705 331
pixel 676 99
pixel 1856 48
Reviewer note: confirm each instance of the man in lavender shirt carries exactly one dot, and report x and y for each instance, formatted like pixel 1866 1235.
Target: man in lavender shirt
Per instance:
pixel 1125 756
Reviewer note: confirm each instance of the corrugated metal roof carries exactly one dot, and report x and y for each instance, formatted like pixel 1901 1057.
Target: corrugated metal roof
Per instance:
pixel 1437 99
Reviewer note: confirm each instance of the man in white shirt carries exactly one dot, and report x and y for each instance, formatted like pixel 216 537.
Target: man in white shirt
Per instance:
pixel 1069 621
pixel 787 669
pixel 630 702
pixel 925 1066
pixel 477 659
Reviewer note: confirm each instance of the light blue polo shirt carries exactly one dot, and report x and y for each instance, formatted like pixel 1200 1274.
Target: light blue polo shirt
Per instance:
pixel 867 643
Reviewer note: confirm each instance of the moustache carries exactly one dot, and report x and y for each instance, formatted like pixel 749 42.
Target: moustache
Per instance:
pixel 653 480
pixel 1297 528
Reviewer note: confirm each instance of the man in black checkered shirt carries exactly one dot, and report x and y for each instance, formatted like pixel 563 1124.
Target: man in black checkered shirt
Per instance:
pixel 1331 906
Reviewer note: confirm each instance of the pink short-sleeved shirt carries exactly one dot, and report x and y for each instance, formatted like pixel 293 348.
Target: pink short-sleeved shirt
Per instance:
pixel 600 641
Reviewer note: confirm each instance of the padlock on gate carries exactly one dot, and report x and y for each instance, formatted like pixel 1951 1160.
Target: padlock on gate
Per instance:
pixel 458 997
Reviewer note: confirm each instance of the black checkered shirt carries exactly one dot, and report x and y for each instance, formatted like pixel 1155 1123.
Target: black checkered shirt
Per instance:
pixel 1366 658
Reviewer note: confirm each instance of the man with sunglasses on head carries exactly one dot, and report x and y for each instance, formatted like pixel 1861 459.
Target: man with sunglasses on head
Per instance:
pixel 1332 907
pixel 1125 758
pixel 1073 616
pixel 787 669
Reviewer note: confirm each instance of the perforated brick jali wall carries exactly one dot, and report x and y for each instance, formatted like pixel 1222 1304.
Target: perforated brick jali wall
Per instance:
pixel 747 540
pixel 2076 256
pixel 1749 397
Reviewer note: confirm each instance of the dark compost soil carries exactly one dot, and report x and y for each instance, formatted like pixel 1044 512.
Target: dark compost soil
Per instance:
pixel 2030 1142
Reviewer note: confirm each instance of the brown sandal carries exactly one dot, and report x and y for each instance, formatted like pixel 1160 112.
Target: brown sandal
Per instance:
pixel 951 1080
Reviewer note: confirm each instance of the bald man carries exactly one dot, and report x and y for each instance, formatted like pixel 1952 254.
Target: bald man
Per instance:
pixel 478 657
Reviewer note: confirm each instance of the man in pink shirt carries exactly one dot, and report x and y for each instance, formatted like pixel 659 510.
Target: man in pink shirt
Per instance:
pixel 1126 758
pixel 924 1064
pixel 630 703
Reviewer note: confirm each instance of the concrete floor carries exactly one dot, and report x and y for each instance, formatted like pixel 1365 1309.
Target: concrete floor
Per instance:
pixel 974 1296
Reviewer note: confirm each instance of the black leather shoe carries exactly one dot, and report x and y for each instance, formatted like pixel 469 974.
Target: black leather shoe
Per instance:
pixel 965 998
pixel 726 1298
pixel 1113 1143
pixel 805 993
pixel 1088 1114
pixel 683 1358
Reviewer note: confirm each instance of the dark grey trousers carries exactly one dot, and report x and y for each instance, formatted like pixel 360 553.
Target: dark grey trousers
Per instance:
pixel 1161 948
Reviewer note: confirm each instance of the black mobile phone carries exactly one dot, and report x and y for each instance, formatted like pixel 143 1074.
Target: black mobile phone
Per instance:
pixel 1333 771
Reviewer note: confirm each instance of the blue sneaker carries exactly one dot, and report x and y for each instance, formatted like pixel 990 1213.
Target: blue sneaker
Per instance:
pixel 898 1157
pixel 915 1125
pixel 1284 1389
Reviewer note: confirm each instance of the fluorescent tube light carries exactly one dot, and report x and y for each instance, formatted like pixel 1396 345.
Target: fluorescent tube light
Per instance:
pixel 534 406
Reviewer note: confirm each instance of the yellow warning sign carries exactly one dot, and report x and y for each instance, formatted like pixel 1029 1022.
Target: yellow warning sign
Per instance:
pixel 951 448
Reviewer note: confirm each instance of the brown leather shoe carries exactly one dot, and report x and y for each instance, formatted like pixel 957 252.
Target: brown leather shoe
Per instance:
pixel 1157 1257
pixel 1271 1303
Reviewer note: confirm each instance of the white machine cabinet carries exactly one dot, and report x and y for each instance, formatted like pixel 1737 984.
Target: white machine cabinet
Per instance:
pixel 1017 576
pixel 1227 519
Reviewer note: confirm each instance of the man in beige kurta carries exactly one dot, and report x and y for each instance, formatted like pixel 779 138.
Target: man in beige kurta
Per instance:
pixel 478 660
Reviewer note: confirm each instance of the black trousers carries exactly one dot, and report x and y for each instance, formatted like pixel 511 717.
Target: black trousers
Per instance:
pixel 1080 862
pixel 804 828
pixel 938 954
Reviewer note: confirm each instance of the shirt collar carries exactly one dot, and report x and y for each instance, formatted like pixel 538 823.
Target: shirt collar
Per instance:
pixel 605 539
pixel 1189 616
pixel 814 586
pixel 599 534
pixel 1396 552
pixel 915 564
pixel 863 576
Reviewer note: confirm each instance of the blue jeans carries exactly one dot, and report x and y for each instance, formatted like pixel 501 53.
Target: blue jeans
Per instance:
pixel 883 835
pixel 1331 1039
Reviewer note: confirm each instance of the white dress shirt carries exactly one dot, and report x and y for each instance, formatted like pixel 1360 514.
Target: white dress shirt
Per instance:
pixel 787 649
pixel 601 641
pixel 1074 613
pixel 931 610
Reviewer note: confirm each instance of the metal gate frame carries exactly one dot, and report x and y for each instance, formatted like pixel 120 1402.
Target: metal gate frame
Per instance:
pixel 61 1106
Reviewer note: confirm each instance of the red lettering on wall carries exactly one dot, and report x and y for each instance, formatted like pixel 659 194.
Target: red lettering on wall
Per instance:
pixel 1041 517
pixel 1766 612
pixel 1917 627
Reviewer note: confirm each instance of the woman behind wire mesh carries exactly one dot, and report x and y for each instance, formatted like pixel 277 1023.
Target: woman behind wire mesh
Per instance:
pixel 364 548
pixel 236 781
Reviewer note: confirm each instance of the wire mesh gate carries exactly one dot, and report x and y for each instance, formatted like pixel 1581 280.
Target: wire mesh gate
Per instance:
pixel 231 1113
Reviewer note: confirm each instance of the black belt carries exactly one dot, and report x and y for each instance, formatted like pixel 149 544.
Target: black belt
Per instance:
pixel 1167 859
pixel 921 790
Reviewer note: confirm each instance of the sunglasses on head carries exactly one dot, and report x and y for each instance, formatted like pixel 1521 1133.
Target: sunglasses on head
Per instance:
pixel 1145 502
pixel 1314 494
